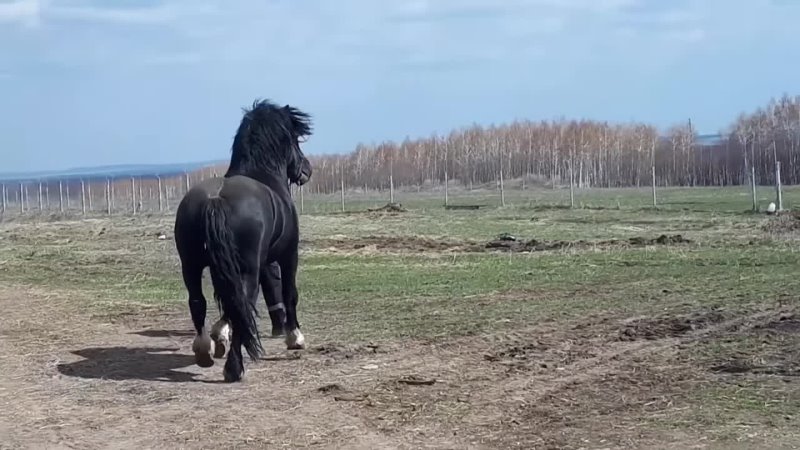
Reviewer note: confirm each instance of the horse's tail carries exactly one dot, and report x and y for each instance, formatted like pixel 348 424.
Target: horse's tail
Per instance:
pixel 226 276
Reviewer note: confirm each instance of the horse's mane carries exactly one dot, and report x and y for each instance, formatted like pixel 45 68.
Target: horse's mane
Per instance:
pixel 266 137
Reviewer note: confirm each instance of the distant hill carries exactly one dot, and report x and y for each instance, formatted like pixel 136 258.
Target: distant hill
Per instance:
pixel 105 172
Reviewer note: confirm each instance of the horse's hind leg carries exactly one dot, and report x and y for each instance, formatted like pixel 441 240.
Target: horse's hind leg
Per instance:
pixel 221 335
pixel 270 280
pixel 203 346
pixel 294 338
pixel 234 365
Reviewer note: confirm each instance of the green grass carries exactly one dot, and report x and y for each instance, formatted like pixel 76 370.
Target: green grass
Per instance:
pixel 117 265
pixel 701 199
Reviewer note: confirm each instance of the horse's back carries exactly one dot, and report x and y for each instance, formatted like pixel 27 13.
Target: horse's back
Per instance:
pixel 269 210
pixel 258 214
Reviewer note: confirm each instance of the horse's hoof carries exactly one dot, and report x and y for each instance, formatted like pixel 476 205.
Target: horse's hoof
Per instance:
pixel 295 340
pixel 232 376
pixel 203 347
pixel 203 359
pixel 219 350
pixel 221 335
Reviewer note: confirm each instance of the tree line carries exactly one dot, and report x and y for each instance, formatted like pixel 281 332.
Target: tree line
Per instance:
pixel 591 153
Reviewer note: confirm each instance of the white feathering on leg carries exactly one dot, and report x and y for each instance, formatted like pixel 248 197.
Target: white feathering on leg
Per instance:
pixel 221 335
pixel 222 330
pixel 295 340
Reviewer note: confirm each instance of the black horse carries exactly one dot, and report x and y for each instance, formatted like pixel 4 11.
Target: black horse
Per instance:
pixel 238 226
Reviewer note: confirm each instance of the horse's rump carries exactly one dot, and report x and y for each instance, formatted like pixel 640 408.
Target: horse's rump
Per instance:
pixel 228 262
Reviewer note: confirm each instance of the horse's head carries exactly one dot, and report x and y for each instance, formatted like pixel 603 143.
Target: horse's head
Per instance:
pixel 302 172
pixel 267 143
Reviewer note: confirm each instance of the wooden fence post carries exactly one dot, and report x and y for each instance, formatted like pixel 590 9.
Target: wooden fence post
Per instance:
pixel 108 196
pixel 166 196
pixel 753 187
pixel 342 183
pixel 571 186
pixel 83 197
pixel 655 201
pixel 160 197
pixel 133 195
pixel 302 202
pixel 502 186
pixel 446 187
pixel 778 193
pixel 391 188
pixel 141 197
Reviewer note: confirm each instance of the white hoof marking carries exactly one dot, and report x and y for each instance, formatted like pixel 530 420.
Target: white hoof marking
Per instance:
pixel 295 340
pixel 203 348
pixel 221 334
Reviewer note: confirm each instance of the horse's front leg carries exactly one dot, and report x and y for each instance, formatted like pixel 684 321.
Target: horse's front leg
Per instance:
pixel 294 338
pixel 270 280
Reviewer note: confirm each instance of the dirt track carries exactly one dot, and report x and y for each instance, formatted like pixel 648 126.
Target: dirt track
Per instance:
pixel 70 381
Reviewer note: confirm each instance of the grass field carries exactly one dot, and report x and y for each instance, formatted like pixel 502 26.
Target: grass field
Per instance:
pixel 597 335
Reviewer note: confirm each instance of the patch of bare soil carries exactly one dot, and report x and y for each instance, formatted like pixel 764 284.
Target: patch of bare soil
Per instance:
pixel 787 323
pixel 389 208
pixel 778 340
pixel 70 381
pixel 341 351
pixel 668 325
pixel 503 243
pixel 387 243
pixel 783 222
pixel 549 388
pixel 535 245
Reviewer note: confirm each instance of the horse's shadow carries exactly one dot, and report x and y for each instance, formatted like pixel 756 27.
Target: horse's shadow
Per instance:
pixel 130 363
pixel 141 363
pixel 156 333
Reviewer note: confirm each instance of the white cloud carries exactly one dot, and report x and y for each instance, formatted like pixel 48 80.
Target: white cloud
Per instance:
pixel 165 13
pixel 364 34
pixel 20 11
pixel 148 15
pixel 602 6
pixel 673 26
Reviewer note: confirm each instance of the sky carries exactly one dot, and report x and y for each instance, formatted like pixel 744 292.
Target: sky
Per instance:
pixel 99 82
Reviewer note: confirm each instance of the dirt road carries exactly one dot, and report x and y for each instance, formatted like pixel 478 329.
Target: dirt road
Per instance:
pixel 70 380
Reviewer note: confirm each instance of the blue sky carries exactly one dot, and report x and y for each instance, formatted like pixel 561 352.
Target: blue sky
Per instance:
pixel 95 82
